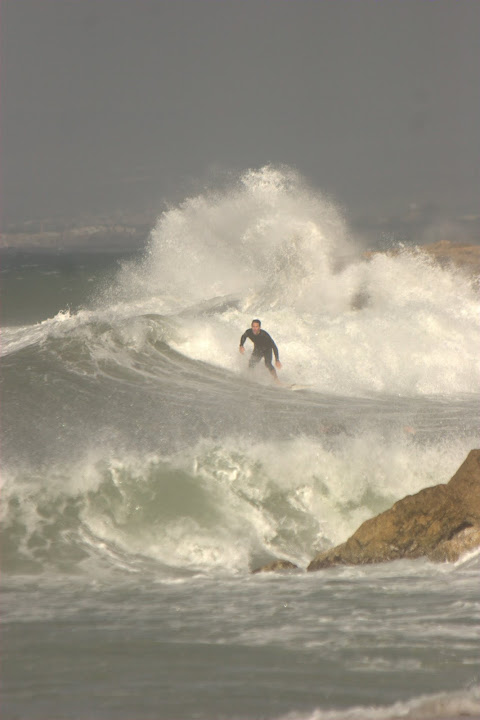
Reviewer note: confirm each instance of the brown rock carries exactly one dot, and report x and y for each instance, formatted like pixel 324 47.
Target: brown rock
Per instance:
pixel 277 566
pixel 418 525
pixel 463 542
pixel 464 256
pixel 444 252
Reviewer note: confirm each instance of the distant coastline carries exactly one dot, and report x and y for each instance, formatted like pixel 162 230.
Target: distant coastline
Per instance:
pixel 65 237
pixel 132 234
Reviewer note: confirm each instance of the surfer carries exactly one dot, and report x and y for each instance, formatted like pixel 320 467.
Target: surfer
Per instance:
pixel 263 346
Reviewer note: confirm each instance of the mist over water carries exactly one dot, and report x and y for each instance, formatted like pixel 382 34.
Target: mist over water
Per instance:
pixel 139 452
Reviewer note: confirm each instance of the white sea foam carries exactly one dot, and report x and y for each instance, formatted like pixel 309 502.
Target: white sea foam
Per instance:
pixel 17 338
pixel 427 707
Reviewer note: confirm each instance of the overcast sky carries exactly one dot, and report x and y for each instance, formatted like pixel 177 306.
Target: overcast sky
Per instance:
pixel 110 104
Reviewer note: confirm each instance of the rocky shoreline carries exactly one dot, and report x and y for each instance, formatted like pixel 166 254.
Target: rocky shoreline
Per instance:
pixel 441 523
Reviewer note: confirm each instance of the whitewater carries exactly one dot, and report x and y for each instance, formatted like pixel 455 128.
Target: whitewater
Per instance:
pixel 146 471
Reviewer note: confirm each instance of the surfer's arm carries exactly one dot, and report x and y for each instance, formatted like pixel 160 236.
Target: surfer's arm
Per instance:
pixel 278 364
pixel 243 338
pixel 242 341
pixel 275 351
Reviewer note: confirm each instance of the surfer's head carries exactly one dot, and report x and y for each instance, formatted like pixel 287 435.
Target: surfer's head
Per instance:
pixel 256 326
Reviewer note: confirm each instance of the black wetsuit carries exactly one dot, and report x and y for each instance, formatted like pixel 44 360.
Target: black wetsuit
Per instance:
pixel 263 347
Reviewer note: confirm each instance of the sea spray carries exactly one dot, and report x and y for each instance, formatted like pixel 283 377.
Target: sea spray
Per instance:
pixel 271 247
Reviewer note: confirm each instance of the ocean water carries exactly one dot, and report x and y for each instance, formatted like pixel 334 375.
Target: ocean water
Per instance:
pixel 146 472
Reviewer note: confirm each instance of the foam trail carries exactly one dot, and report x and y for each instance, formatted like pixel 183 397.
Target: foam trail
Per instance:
pixel 447 706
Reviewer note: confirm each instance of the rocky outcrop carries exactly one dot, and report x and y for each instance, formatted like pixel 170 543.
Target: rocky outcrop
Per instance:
pixel 277 566
pixel 440 522
pixel 463 542
pixel 466 257
pixel 462 255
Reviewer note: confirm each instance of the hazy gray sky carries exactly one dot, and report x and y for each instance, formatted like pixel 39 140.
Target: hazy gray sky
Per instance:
pixel 123 103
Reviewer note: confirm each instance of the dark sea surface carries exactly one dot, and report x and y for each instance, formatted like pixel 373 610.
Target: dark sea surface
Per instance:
pixel 146 472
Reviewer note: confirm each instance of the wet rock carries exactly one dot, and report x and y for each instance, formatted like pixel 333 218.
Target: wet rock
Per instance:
pixel 440 522
pixel 451 550
pixel 277 566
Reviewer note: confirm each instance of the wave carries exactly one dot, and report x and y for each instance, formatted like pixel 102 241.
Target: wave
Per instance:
pixel 226 506
pixel 121 413
pixel 268 246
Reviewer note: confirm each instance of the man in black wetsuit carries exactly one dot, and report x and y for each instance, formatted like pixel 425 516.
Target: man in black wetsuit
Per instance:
pixel 262 348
